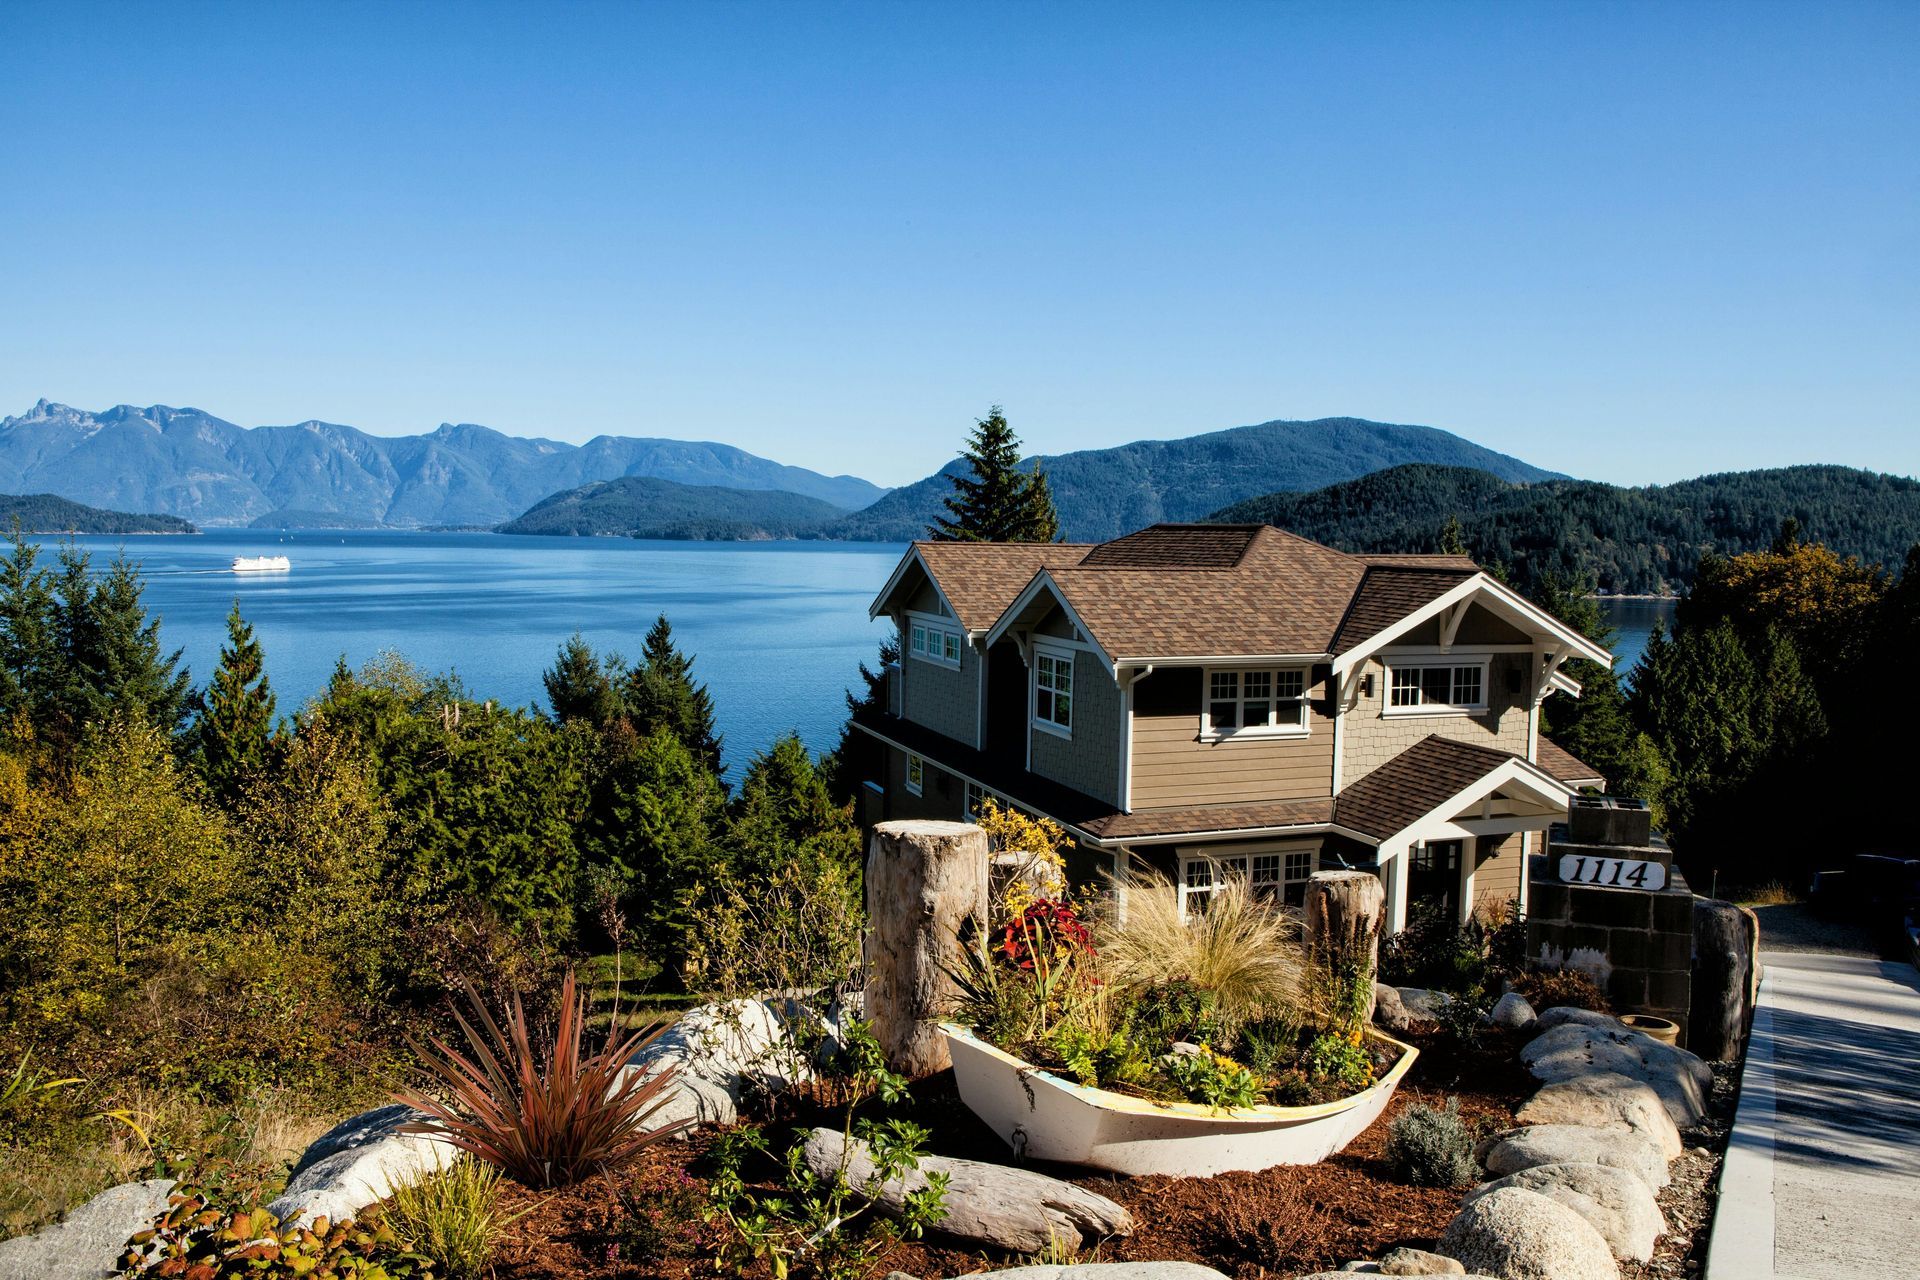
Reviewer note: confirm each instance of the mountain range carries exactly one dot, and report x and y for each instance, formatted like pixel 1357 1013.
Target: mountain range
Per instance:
pixel 188 463
pixel 1103 493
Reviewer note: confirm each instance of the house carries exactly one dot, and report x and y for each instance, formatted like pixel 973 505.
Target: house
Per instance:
pixel 1232 699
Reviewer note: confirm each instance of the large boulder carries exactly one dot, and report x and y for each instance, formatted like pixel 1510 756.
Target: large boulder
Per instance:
pixel 1017 1210
pixel 1106 1271
pixel 1517 1234
pixel 87 1245
pixel 1578 1046
pixel 725 1052
pixel 1605 1100
pixel 1418 1262
pixel 361 1160
pixel 1562 1015
pixel 1421 1004
pixel 1541 1144
pixel 1391 1012
pixel 1614 1202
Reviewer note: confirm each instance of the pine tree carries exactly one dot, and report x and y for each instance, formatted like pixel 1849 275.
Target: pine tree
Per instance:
pixel 1453 539
pixel 578 685
pixel 998 502
pixel 661 693
pixel 232 738
pixel 28 657
pixel 109 660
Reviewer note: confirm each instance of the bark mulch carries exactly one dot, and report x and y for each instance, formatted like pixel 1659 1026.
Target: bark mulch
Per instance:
pixel 644 1224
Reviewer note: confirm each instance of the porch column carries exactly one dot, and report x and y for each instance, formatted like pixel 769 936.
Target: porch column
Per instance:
pixel 1393 873
pixel 1469 855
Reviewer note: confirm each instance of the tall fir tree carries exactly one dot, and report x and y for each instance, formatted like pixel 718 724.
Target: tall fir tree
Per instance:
pixel 232 737
pixel 110 661
pixel 661 693
pixel 999 502
pixel 28 653
pixel 579 684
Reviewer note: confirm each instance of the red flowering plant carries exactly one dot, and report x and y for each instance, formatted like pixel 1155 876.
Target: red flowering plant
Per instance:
pixel 1047 932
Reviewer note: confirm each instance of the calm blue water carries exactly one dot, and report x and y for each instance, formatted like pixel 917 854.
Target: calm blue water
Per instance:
pixel 777 630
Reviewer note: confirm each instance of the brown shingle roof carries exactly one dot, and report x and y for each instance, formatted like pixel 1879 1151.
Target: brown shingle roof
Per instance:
pixel 1389 593
pixel 1175 546
pixel 1285 595
pixel 1213 819
pixel 1566 766
pixel 980 579
pixel 1412 784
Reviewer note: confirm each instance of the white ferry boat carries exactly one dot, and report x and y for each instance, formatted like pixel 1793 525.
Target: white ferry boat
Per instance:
pixel 261 564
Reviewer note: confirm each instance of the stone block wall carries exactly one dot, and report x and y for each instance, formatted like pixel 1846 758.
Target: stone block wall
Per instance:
pixel 1638 944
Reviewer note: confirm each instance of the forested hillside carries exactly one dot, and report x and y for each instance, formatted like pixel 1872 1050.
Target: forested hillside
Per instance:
pixel 46 513
pixel 1626 540
pixel 639 507
pixel 1103 493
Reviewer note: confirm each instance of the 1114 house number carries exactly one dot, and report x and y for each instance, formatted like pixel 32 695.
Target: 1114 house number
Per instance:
pixel 1612 873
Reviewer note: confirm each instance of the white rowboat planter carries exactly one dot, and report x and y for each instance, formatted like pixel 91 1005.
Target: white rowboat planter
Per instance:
pixel 1043 1117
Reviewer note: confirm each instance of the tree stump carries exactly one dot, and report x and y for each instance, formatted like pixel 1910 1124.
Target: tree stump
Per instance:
pixel 925 880
pixel 1726 943
pixel 1344 910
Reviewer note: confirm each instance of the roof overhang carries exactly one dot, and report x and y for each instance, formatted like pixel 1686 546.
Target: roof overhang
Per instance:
pixel 894 579
pixel 1497 598
pixel 1531 780
pixel 1078 833
pixel 1043 583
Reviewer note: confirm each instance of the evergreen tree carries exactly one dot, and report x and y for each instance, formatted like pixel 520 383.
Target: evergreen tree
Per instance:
pixel 110 661
pixel 1596 726
pixel 1453 540
pixel 786 814
pixel 28 655
pixel 579 686
pixel 998 502
pixel 232 738
pixel 856 755
pixel 661 693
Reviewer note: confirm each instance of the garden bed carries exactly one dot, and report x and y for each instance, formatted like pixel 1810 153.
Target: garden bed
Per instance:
pixel 1291 1219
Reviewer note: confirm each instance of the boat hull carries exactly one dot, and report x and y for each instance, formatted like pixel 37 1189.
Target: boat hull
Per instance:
pixel 1043 1117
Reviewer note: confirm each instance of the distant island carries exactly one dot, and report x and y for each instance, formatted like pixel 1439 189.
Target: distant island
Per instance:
pixel 48 513
pixel 643 507
pixel 1626 541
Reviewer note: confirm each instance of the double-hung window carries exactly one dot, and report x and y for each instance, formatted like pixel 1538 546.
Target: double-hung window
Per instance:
pixel 1281 875
pixel 916 774
pixel 1053 691
pixel 1255 702
pixel 1437 688
pixel 933 642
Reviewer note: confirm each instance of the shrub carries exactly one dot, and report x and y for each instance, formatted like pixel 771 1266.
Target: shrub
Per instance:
pixel 1553 988
pixel 1242 948
pixel 1340 1061
pixel 451 1216
pixel 200 1241
pixel 545 1119
pixel 1211 1078
pixel 1269 1045
pixel 1431 1147
pixel 802 928
pixel 1172 1011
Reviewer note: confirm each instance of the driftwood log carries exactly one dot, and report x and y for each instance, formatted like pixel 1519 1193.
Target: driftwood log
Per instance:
pixel 1012 1209
pixel 925 881
pixel 1726 942
pixel 1344 909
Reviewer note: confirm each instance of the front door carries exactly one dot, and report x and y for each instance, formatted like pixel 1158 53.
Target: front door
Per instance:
pixel 1433 876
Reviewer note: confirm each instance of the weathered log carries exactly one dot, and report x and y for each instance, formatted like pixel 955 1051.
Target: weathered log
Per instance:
pixel 1344 910
pixel 925 880
pixel 1013 1209
pixel 1726 942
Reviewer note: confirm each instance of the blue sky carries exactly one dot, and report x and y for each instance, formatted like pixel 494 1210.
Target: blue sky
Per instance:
pixel 1634 242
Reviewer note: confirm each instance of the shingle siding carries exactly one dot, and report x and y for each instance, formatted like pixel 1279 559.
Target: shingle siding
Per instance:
pixel 941 698
pixel 1172 767
pixel 1370 739
pixel 1090 760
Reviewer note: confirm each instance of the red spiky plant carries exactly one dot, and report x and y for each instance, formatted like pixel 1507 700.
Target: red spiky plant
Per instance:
pixel 545 1119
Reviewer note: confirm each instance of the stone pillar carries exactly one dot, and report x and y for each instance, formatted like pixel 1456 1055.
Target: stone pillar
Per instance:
pixel 1726 955
pixel 1344 910
pixel 925 880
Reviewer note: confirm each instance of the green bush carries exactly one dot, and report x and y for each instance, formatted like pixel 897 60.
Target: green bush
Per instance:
pixel 1217 1081
pixel 451 1216
pixel 1341 1061
pixel 1431 1147
pixel 197 1238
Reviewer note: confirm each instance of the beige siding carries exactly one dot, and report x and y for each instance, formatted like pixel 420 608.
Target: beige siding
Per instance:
pixel 1172 767
pixel 1089 761
pixel 1498 870
pixel 1371 738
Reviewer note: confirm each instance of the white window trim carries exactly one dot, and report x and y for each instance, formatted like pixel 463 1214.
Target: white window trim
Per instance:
pixel 1390 665
pixel 931 625
pixel 914 788
pixel 1058 653
pixel 1209 734
pixel 1216 857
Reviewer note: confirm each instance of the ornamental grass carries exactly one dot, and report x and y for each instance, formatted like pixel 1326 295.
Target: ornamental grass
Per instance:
pixel 545 1118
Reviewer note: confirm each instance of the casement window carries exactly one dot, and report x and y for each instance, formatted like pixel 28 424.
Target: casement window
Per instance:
pixel 1053 691
pixel 1255 703
pixel 1278 876
pixel 916 774
pixel 933 642
pixel 1436 688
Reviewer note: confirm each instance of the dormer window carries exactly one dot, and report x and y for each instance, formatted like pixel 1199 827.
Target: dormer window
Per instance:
pixel 1053 691
pixel 934 642
pixel 1436 689
pixel 1255 702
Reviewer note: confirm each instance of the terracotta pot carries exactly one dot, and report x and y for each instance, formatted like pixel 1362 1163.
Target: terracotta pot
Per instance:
pixel 1659 1028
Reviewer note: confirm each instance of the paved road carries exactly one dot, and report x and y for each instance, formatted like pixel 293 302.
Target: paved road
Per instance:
pixel 1822 1178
